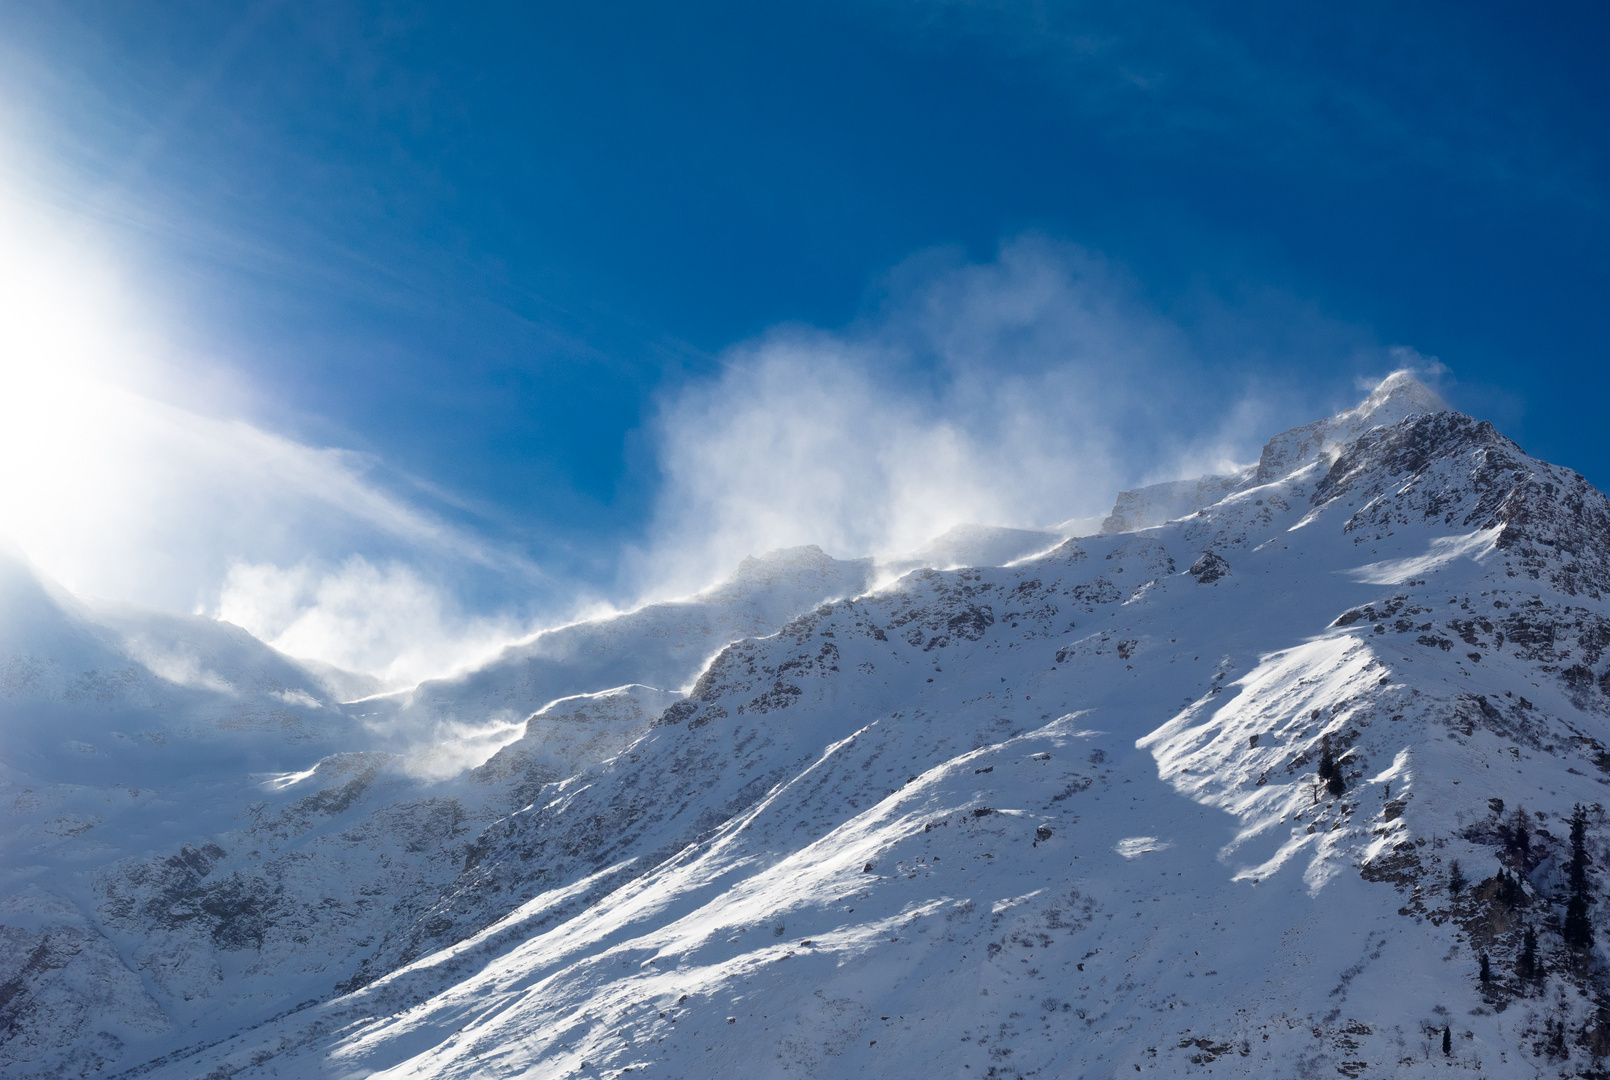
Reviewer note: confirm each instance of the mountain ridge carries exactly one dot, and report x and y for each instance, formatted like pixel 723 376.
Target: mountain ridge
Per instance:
pixel 1188 796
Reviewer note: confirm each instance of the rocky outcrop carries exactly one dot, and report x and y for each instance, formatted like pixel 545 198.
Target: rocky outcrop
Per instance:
pixel 1398 397
pixel 68 1003
pixel 1208 568
pixel 1550 523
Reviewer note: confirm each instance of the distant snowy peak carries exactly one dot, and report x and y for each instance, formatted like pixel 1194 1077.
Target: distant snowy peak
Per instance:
pixel 565 736
pixel 973 545
pixel 1144 508
pixel 659 645
pixel 345 686
pixel 782 563
pixel 40 622
pixel 802 570
pixel 1397 397
pixel 196 672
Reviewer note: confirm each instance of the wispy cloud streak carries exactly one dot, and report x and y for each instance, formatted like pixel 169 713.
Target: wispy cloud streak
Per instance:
pixel 116 492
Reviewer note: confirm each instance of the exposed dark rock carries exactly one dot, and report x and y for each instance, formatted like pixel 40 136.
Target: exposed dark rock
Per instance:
pixel 1209 568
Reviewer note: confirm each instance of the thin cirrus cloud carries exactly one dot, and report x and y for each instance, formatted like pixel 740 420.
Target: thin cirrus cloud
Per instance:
pixel 115 492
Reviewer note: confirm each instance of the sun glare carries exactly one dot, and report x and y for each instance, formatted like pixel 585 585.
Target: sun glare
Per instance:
pixel 115 491
pixel 70 346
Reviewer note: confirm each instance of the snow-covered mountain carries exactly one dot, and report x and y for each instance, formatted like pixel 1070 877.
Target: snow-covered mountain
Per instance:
pixel 189 811
pixel 664 645
pixel 120 732
pixel 1292 772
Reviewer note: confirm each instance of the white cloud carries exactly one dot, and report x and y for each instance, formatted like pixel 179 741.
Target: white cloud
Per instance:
pixel 106 487
pixel 1023 392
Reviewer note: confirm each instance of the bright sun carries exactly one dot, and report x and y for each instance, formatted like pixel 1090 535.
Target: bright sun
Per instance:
pixel 69 347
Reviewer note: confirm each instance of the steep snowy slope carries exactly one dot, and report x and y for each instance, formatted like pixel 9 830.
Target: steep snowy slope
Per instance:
pixel 189 811
pixel 1263 791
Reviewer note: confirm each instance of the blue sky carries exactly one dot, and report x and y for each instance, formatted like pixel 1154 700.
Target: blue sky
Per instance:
pixel 581 302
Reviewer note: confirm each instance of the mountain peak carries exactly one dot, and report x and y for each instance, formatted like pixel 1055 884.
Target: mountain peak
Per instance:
pixel 1396 397
pixel 770 563
pixel 958 812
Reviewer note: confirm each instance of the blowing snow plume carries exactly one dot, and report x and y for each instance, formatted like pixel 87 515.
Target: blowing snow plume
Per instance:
pixel 1025 391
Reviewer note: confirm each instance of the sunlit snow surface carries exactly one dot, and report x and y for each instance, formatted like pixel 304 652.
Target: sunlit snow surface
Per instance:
pixel 1057 818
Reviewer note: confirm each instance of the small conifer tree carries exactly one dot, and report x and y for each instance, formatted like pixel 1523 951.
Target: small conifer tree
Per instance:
pixel 1526 965
pixel 1456 879
pixel 1577 930
pixel 1599 1037
pixel 1447 1040
pixel 1556 1047
pixel 1507 889
pixel 1486 970
pixel 1329 772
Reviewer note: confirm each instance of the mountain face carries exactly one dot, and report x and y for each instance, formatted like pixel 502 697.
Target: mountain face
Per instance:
pixel 120 732
pixel 199 835
pixel 1302 778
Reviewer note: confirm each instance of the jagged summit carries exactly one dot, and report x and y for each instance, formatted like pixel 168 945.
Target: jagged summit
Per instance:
pixel 1395 398
pixel 1399 395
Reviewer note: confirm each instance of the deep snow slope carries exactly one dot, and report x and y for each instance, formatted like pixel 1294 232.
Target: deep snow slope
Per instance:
pixel 1065 817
